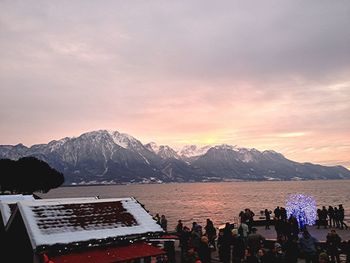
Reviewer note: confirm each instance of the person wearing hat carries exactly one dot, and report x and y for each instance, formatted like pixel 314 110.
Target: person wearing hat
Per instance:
pixel 278 253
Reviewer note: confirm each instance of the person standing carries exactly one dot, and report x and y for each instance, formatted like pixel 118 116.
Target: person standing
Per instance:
pixel 243 230
pixel 333 244
pixel 157 218
pixel 336 217
pixel 341 217
pixel 277 212
pixel 324 213
pixel 308 247
pixel 267 218
pixel 319 218
pixel 292 249
pixel 210 231
pixel 238 247
pixel 331 216
pixel 226 243
pixel 255 241
pixel 184 240
pixel 164 223
pixel 179 228
pixel 204 251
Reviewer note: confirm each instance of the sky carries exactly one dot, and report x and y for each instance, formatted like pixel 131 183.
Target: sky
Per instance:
pixel 257 74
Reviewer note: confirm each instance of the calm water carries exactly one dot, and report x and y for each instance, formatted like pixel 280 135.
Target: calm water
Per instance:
pixel 221 202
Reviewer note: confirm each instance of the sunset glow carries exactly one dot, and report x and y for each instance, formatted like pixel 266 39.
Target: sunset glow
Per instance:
pixel 185 72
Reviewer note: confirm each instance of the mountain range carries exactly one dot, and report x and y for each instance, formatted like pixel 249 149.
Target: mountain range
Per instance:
pixel 111 157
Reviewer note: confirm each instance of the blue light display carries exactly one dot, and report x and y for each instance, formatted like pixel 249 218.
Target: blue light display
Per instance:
pixel 303 208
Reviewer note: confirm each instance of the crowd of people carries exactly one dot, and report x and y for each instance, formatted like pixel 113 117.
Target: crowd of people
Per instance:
pixel 243 243
pixel 332 217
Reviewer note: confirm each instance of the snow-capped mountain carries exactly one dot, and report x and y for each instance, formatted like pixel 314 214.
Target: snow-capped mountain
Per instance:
pixel 190 151
pixel 163 151
pixel 113 157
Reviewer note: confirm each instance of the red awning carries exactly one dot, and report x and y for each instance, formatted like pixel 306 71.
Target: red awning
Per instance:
pixel 110 255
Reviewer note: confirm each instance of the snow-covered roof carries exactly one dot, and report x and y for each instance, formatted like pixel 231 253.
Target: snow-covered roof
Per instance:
pixel 75 199
pixel 69 221
pixel 16 198
pixel 8 204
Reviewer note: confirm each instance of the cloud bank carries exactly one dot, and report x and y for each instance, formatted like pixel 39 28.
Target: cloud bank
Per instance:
pixel 269 75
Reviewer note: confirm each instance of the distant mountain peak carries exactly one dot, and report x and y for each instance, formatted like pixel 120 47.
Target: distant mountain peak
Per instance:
pixel 193 150
pixel 272 153
pixel 152 146
pixel 226 147
pixel 164 151
pixel 56 144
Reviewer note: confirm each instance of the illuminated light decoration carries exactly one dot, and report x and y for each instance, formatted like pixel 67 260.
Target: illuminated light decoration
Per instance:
pixel 303 208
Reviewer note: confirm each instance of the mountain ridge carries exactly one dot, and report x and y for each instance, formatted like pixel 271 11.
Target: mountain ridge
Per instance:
pixel 111 157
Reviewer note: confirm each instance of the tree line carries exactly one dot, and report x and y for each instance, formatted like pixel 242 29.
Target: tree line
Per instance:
pixel 28 175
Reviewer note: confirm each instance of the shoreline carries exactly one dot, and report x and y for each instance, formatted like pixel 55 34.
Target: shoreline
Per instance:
pixel 202 182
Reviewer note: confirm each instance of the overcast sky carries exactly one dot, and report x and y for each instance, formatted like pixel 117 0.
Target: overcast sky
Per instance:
pixel 263 74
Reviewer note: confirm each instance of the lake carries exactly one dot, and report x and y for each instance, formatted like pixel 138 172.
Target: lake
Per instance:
pixel 220 202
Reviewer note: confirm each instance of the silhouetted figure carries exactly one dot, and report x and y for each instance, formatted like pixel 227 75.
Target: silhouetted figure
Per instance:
pixel 278 226
pixel 164 223
pixel 157 218
pixel 293 227
pixel 196 235
pixel 308 247
pixel 333 245
pixel 255 241
pixel 225 243
pixel 194 225
pixel 341 217
pixel 204 251
pixel 277 212
pixel 184 241
pixel 336 217
pixel 267 218
pixel 242 217
pixel 210 231
pixel 324 215
pixel 292 250
pixel 319 218
pixel 331 216
pixel 179 227
pixel 238 247
pixel 249 218
pixel 243 231
pixel 283 214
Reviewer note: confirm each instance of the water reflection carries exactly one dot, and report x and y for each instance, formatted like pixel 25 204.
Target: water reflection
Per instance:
pixel 220 202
